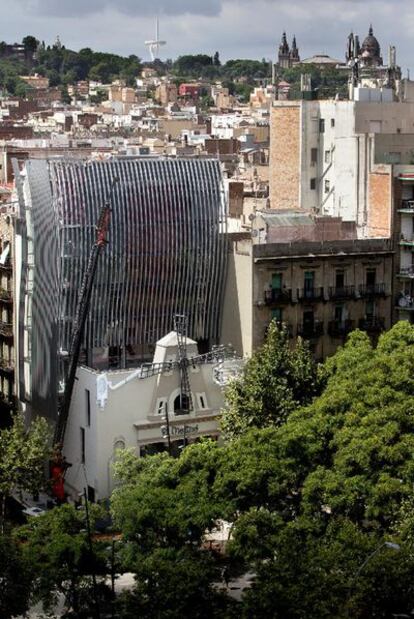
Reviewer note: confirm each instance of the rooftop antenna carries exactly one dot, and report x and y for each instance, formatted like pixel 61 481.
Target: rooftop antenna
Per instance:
pixel 155 44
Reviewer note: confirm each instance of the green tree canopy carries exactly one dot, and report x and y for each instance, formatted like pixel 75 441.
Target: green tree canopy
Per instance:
pixel 275 382
pixel 24 453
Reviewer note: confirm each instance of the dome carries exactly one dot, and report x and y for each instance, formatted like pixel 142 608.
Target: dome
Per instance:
pixel 371 46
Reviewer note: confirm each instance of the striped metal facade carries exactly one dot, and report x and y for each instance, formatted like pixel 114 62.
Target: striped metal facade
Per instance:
pixel 166 251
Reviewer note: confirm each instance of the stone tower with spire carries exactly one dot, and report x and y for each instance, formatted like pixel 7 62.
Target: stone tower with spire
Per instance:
pixel 288 56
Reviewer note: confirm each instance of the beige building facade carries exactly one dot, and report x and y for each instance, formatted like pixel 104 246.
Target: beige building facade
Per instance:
pixel 322 290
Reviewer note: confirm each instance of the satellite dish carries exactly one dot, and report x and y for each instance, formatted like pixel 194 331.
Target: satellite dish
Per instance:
pixel 252 216
pixel 403 302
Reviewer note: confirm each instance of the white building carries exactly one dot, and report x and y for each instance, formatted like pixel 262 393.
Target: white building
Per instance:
pixel 127 409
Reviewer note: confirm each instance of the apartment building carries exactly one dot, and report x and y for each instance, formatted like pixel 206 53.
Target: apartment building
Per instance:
pixel 321 289
pixel 7 352
pixel 334 157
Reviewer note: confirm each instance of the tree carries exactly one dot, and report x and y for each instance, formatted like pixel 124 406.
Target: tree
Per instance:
pixel 314 494
pixel 163 508
pixel 15 579
pixel 275 381
pixel 30 43
pixel 216 60
pixel 23 456
pixel 57 547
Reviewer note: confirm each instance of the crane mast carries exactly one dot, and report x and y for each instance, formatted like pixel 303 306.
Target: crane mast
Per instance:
pixel 81 316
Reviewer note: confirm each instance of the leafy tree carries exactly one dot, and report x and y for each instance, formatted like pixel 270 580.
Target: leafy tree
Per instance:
pixel 56 546
pixel 30 43
pixel 313 498
pixel 163 509
pixel 216 60
pixel 15 579
pixel 192 64
pixel 23 456
pixel 275 381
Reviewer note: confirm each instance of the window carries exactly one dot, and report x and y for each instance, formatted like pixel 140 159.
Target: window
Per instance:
pixel 277 314
pixel 339 279
pixel 321 125
pixel 327 185
pixel 161 406
pixel 370 310
pixel 339 312
pixel 277 281
pixel 327 156
pixel 332 122
pixel 394 158
pixel 314 156
pixel 313 184
pixel 88 407
pixel 309 283
pixel 181 405
pixel 202 401
pixel 82 445
pixel 370 277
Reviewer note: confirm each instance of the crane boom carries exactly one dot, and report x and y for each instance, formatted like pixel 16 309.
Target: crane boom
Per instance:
pixel 81 316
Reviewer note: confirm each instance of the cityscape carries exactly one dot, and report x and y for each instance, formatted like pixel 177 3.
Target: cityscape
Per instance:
pixel 207 327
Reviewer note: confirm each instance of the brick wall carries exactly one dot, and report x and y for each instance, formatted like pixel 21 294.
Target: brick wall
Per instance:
pixel 284 170
pixel 379 204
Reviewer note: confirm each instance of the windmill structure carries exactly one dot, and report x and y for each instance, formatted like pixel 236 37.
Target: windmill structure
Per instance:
pixel 155 44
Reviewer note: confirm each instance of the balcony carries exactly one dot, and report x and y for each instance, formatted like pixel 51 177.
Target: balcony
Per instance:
pixel 310 331
pixel 372 290
pixel 407 206
pixel 310 294
pixel 374 324
pixel 278 296
pixel 340 328
pixel 6 365
pixel 407 241
pixel 342 292
pixel 5 296
pixel 406 271
pixel 6 329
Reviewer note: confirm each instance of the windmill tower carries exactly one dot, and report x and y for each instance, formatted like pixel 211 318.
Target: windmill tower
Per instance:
pixel 155 44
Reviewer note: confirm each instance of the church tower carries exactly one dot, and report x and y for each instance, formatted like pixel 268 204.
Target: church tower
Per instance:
pixel 284 53
pixel 294 53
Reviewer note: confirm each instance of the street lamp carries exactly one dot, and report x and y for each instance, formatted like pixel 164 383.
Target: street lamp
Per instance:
pixel 390 545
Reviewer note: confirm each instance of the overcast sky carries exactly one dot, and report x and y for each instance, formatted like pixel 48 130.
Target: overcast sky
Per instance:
pixel 236 28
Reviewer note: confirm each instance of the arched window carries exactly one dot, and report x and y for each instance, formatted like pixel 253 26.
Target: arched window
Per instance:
pixel 181 404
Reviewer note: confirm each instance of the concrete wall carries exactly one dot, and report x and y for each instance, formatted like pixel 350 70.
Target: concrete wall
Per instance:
pixel 237 322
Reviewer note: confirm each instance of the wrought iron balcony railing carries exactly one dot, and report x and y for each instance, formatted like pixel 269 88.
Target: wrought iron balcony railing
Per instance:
pixel 340 328
pixel 275 296
pixel 372 324
pixel 311 330
pixel 372 290
pixel 310 294
pixel 341 292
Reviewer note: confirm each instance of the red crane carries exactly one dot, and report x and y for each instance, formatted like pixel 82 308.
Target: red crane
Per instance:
pixel 58 465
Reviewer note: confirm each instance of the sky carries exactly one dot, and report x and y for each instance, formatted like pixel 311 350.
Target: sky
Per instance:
pixel 236 28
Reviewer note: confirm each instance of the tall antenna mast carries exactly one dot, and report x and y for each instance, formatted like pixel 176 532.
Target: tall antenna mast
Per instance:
pixel 155 44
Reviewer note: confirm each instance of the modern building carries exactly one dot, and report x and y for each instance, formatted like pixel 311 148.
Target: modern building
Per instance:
pixel 140 409
pixel 166 255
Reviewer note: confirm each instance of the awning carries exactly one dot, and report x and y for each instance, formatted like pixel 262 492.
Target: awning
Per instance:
pixel 406 177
